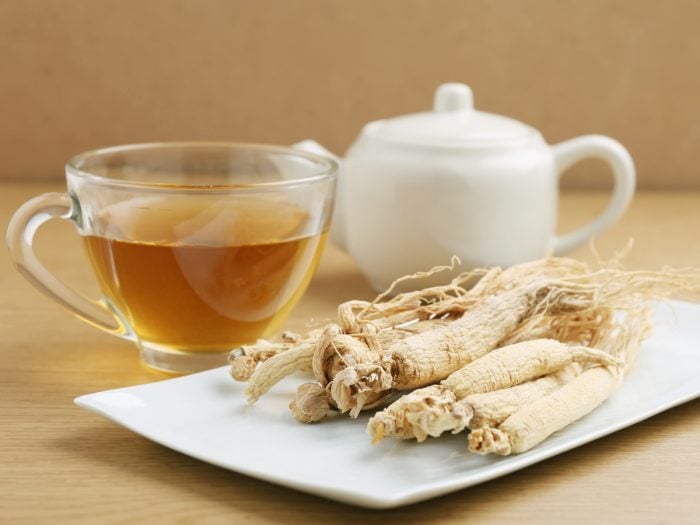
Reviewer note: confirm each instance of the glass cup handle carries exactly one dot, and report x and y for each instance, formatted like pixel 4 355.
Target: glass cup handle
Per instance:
pixel 20 236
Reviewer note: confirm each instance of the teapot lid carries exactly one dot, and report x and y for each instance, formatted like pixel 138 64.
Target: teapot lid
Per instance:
pixel 453 122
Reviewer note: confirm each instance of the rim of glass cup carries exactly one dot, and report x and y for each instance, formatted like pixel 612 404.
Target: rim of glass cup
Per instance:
pixel 328 167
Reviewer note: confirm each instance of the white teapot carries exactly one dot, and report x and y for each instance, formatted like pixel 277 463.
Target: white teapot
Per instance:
pixel 417 189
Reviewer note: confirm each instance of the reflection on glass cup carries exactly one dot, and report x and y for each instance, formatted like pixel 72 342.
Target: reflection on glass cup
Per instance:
pixel 198 247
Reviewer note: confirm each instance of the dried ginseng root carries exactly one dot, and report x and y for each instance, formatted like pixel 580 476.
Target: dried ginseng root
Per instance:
pixel 311 403
pixel 429 357
pixel 419 361
pixel 350 393
pixel 277 367
pixel 480 394
pixel 245 359
pixel 432 410
pixel 492 408
pixel 514 364
pixel 334 352
pixel 377 325
pixel 489 311
pixel 534 422
pixel 419 338
pixel 427 412
pixel 364 332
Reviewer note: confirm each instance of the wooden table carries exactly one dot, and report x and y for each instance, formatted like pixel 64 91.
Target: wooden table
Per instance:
pixel 61 464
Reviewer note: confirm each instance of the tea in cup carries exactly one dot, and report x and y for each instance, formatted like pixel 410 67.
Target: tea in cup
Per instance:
pixel 198 247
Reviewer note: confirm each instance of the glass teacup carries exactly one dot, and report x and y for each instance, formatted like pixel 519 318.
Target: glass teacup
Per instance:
pixel 198 247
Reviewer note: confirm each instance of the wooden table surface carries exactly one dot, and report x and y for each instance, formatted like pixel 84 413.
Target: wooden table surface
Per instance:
pixel 61 464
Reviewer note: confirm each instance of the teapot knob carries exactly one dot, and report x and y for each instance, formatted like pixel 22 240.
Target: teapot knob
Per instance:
pixel 453 97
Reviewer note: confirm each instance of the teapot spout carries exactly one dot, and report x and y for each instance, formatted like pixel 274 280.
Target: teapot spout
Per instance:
pixel 337 232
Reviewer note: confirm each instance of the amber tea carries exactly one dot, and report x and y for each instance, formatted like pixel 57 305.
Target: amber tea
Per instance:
pixel 204 276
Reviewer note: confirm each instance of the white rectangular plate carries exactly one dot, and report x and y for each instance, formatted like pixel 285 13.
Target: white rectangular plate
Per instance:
pixel 205 416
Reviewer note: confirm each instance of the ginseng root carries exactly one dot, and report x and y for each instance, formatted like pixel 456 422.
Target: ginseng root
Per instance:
pixel 245 359
pixel 534 423
pixel 432 410
pixel 432 356
pixel 311 403
pixel 332 353
pixel 379 324
pixel 279 366
pixel 448 334
pixel 514 364
pixel 337 356
pixel 492 408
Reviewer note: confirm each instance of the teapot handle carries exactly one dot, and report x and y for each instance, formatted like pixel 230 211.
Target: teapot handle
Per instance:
pixel 568 153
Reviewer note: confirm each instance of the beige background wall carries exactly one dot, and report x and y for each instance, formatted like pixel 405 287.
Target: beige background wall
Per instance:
pixel 80 74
